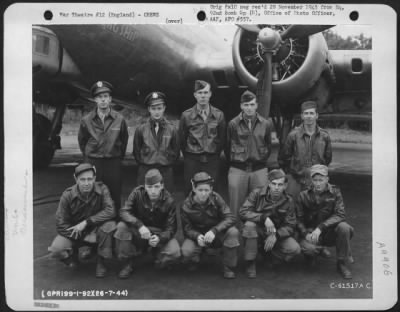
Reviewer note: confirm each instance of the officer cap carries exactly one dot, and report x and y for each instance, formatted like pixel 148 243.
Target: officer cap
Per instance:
pixel 276 174
pixel 319 169
pixel 153 176
pixel 202 178
pixel 247 96
pixel 84 167
pixel 101 87
pixel 200 84
pixel 308 105
pixel 154 98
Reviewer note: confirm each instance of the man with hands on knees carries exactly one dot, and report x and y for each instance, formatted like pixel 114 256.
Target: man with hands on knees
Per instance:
pixel 148 222
pixel 85 215
pixel 269 219
pixel 321 221
pixel 208 223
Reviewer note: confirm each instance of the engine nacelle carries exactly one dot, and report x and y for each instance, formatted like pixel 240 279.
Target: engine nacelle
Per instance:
pixel 296 71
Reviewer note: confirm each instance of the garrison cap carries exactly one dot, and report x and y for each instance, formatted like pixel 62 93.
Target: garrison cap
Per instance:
pixel 276 174
pixel 101 87
pixel 200 84
pixel 84 167
pixel 247 96
pixel 308 105
pixel 319 169
pixel 153 176
pixel 154 98
pixel 202 178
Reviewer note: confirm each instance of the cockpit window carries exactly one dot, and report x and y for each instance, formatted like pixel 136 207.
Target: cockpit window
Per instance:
pixel 41 44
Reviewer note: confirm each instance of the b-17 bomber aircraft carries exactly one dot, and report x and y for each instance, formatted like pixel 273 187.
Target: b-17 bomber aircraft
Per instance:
pixel 283 64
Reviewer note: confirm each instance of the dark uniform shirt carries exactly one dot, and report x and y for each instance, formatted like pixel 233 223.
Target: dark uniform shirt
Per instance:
pixel 248 145
pixel 73 208
pixel 138 211
pixel 200 136
pixel 150 148
pixel 319 210
pixel 301 151
pixel 213 215
pixel 100 140
pixel 259 206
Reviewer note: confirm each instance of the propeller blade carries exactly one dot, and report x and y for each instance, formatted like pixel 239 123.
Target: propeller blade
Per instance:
pixel 264 86
pixel 300 31
pixel 250 27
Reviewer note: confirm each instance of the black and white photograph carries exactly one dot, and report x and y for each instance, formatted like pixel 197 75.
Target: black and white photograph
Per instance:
pixel 208 156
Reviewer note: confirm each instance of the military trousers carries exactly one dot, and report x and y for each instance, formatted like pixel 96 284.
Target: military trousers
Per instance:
pixel 194 163
pixel 228 240
pixel 108 171
pixel 166 172
pixel 63 247
pixel 129 244
pixel 254 237
pixel 296 185
pixel 339 236
pixel 241 183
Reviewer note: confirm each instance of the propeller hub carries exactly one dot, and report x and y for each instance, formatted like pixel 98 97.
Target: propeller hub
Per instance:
pixel 270 39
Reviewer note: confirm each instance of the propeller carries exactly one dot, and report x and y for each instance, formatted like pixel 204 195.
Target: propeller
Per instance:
pixel 271 41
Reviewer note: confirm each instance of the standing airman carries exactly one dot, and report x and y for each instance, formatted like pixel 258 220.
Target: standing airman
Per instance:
pixel 305 146
pixel 248 146
pixel 202 135
pixel 155 143
pixel 103 136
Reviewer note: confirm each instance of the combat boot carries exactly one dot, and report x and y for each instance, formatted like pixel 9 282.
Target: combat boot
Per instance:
pixel 343 269
pixel 272 262
pixel 192 266
pixel 251 269
pixel 325 253
pixel 311 261
pixel 228 272
pixel 126 270
pixel 101 269
pixel 71 262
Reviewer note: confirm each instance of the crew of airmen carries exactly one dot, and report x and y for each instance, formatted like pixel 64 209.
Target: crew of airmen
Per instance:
pixel 279 214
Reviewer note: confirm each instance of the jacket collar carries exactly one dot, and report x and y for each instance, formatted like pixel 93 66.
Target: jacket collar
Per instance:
pixel 303 132
pixel 75 192
pixel 162 198
pixel 265 192
pixel 195 111
pixel 256 117
pixel 328 189
pixel 210 200
pixel 112 114
pixel 161 121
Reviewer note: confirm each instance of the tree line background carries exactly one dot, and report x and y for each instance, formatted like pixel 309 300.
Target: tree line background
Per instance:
pixel 356 42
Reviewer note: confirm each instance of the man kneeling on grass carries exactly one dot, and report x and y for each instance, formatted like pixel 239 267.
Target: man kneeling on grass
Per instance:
pixel 84 216
pixel 269 221
pixel 148 222
pixel 321 221
pixel 208 223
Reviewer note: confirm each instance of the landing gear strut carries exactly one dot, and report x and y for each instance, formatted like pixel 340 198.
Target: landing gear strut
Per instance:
pixel 45 137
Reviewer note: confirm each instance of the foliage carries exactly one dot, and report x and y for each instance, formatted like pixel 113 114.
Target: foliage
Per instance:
pixel 357 42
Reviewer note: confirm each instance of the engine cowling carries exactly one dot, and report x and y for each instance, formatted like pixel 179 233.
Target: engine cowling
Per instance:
pixel 296 66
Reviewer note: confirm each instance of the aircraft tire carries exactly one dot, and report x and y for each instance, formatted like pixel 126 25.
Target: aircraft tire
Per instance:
pixel 43 150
